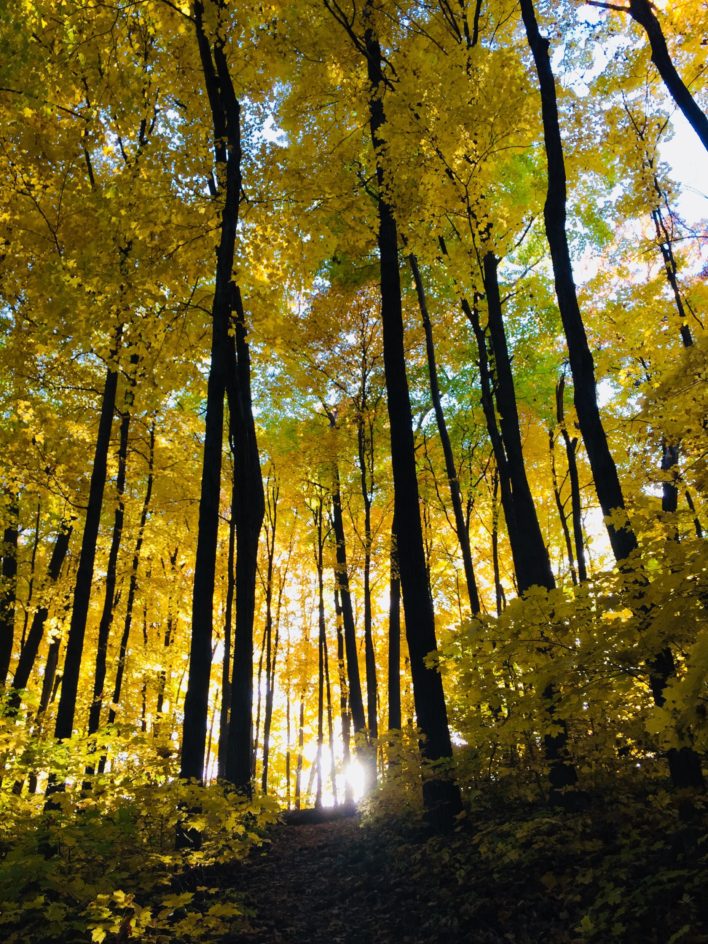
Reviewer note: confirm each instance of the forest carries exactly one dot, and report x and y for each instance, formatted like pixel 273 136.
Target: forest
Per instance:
pixel 353 375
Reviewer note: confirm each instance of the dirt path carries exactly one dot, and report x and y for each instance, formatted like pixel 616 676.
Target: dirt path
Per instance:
pixel 338 883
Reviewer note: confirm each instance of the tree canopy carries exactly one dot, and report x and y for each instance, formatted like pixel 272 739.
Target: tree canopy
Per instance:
pixel 353 366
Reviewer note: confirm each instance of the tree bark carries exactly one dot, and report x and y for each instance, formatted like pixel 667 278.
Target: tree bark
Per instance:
pixel 609 492
pixel 30 649
pixel 365 454
pixel 133 581
pixel 87 555
pixel 394 638
pixel 228 627
pixel 8 591
pixel 642 12
pixel 109 599
pixel 452 477
pixel 356 703
pixel 250 509
pixel 441 796
pixel 571 448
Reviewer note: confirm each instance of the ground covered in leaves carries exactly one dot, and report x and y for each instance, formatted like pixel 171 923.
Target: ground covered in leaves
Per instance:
pixel 611 872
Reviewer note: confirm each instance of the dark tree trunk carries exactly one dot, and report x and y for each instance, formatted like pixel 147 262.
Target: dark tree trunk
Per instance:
pixel 365 453
pixel 609 492
pixel 697 526
pixel 110 599
pixel 228 627
pixel 32 575
pixel 229 372
pixel 30 649
pixel 271 645
pixel 499 595
pixel 196 701
pixel 356 704
pixel 84 577
pixel 8 591
pixel 250 508
pixel 318 513
pixel 452 477
pixel 607 484
pixel 642 11
pixel 441 796
pixel 560 506
pixel 330 719
pixel 300 752
pixel 343 698
pixel 394 638
pixel 169 633
pixel 571 448
pixel 133 581
pixel 531 555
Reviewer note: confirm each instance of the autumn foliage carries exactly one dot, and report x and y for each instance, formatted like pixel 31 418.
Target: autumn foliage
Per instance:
pixel 353 381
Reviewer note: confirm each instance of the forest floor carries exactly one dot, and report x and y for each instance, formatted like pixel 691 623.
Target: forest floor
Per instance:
pixel 596 877
pixel 338 883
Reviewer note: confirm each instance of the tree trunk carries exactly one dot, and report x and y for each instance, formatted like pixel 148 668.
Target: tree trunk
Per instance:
pixel 343 698
pixel 642 12
pixel 365 453
pixel 356 704
pixel 271 647
pixel 110 599
pixel 8 590
pixel 452 477
pixel 609 492
pixel 84 577
pixel 133 581
pixel 531 555
pixel 229 372
pixel 250 508
pixel 394 638
pixel 607 484
pixel 560 506
pixel 228 625
pixel 30 649
pixel 571 447
pixel 441 796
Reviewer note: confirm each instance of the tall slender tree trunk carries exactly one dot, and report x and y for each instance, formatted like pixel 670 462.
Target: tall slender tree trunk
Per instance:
pixel 229 372
pixel 343 698
pixel 499 595
pixel 571 449
pixel 609 492
pixel 133 580
pixel 452 477
pixel 365 454
pixel 441 796
pixel 8 590
pixel 684 765
pixel 87 555
pixel 271 647
pixel 300 752
pixel 560 505
pixel 394 638
pixel 228 627
pixel 170 627
pixel 642 12
pixel 250 508
pixel 356 704
pixel 109 599
pixel 321 638
pixel 28 655
pixel 32 575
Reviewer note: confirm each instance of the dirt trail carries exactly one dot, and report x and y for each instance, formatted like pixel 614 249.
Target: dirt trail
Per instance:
pixel 337 883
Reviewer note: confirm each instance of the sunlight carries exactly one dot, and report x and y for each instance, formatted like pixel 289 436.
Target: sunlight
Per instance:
pixel 356 779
